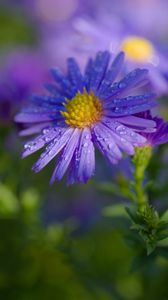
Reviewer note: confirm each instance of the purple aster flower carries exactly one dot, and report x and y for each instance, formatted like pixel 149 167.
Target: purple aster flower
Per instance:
pixel 115 27
pixel 142 51
pixel 84 112
pixel 160 136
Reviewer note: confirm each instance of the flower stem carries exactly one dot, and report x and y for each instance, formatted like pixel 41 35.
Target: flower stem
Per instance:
pixel 141 160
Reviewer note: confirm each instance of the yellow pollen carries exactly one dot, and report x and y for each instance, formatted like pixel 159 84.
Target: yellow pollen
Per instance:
pixel 137 49
pixel 83 110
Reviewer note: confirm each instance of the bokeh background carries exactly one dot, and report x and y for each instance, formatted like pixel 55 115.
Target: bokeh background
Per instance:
pixel 62 242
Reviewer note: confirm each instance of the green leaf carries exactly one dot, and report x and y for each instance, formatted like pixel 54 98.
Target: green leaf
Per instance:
pixel 109 187
pixel 162 251
pixel 132 212
pixel 116 210
pixel 150 247
pixel 164 217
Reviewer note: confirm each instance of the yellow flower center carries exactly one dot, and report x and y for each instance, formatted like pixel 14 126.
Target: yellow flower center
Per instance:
pixel 83 110
pixel 138 49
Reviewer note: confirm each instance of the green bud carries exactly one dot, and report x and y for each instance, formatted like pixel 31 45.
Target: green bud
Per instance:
pixel 30 200
pixel 141 160
pixel 8 201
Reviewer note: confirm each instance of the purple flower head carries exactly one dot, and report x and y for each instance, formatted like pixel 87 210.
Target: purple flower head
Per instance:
pixel 114 26
pixel 85 112
pixel 160 136
pixel 143 15
pixel 142 51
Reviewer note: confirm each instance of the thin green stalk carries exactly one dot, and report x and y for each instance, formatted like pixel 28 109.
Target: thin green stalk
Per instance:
pixel 141 160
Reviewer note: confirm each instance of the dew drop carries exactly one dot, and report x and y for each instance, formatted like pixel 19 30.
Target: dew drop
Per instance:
pixel 46 139
pixel 122 85
pixel 26 146
pixel 123 140
pixel 110 146
pixel 132 134
pixel 119 128
pixel 45 130
pixel 51 152
pixel 87 136
pixel 30 146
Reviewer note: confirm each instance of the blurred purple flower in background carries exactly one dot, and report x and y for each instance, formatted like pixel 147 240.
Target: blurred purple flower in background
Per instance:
pixel 106 25
pixel 149 17
pixel 22 73
pixel 98 113
pixel 141 51
pixel 160 136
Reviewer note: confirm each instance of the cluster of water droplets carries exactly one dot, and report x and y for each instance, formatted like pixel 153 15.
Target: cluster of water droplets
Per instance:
pixel 125 133
pixel 106 143
pixel 129 81
pixel 53 148
pixel 99 69
pixel 48 134
pixel 84 158
pixel 68 88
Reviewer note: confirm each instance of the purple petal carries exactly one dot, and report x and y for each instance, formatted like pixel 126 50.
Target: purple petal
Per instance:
pixel 112 73
pixel 123 143
pixel 126 84
pixel 74 74
pixel 33 117
pixel 104 141
pixel 64 82
pixel 88 73
pixel 124 132
pixel 53 89
pixel 129 101
pixel 39 142
pixel 47 100
pixel 34 129
pixel 53 149
pixel 66 156
pixel 99 69
pixel 136 121
pixel 130 110
pixel 84 157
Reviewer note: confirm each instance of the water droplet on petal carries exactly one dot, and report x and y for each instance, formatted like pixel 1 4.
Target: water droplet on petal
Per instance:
pixel 42 155
pixel 122 85
pixel 110 146
pixel 45 130
pixel 31 145
pixel 51 152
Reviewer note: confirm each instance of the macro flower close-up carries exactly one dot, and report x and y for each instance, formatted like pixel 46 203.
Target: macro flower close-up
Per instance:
pixel 88 111
pixel 84 149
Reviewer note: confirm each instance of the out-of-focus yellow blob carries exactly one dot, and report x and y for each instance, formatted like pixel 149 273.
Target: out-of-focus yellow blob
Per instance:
pixel 137 49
